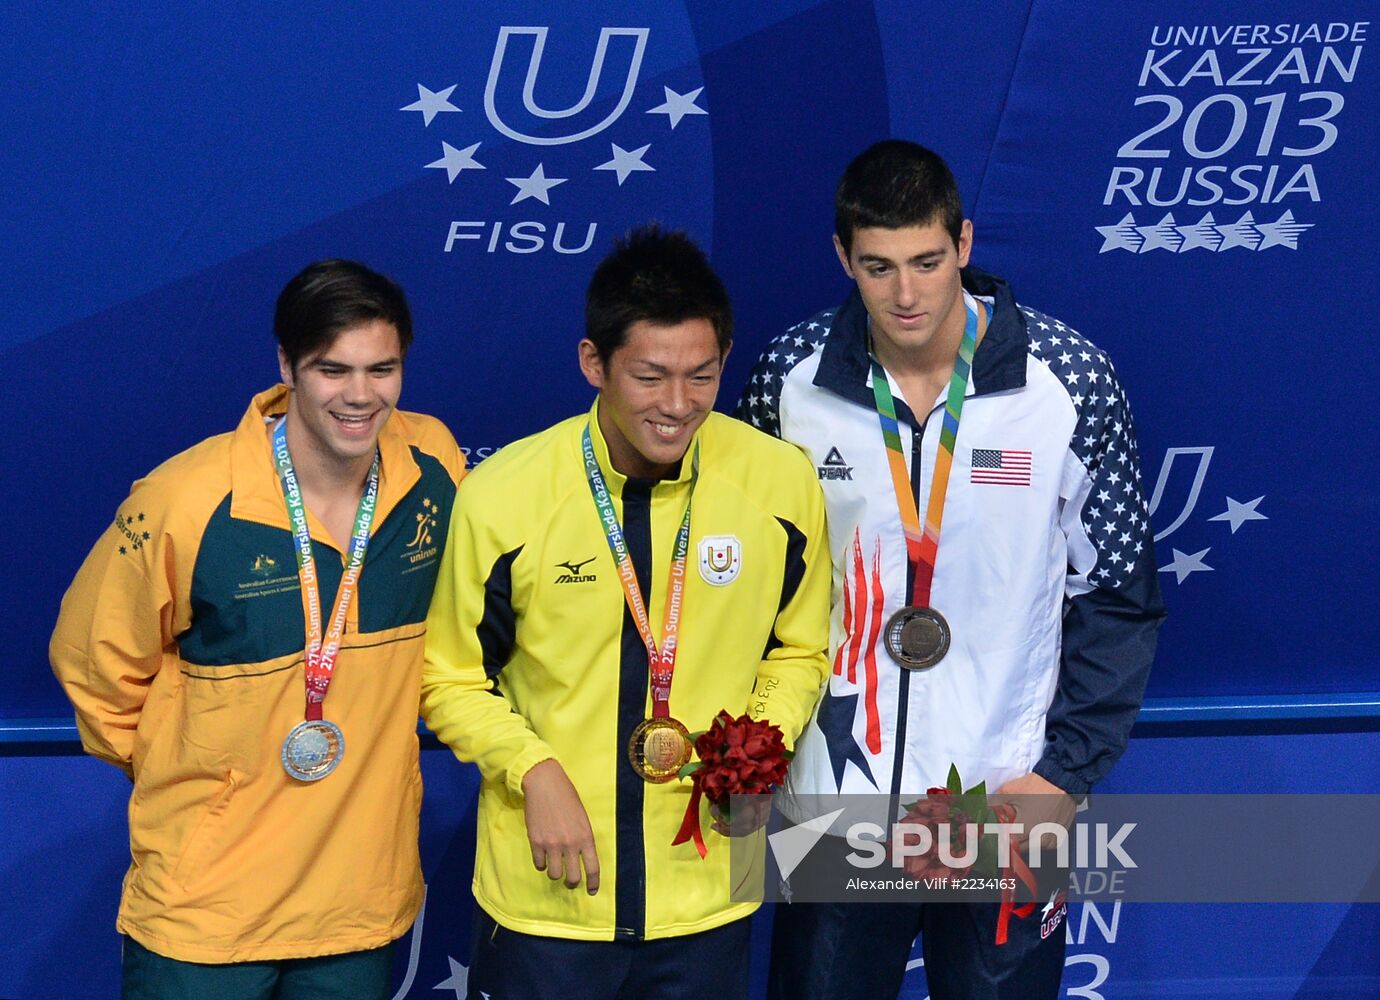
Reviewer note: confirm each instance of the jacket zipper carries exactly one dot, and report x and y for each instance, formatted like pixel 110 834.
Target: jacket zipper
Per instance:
pixel 917 441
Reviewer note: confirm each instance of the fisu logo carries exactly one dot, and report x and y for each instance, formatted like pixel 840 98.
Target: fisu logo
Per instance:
pixel 597 98
pixel 1181 478
pixel 638 38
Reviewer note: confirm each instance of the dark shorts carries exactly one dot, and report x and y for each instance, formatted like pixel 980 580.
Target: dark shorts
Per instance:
pixel 356 975
pixel 514 966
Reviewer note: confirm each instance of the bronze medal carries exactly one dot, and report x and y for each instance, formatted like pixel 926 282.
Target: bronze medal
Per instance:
pixel 658 749
pixel 917 638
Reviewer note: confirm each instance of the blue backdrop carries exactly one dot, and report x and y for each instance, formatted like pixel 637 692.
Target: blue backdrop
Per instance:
pixel 1189 185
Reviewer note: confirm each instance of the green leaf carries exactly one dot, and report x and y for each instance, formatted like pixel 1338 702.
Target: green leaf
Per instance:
pixel 955 783
pixel 689 769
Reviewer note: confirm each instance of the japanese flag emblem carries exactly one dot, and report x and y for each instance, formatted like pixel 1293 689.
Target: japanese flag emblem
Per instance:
pixel 721 557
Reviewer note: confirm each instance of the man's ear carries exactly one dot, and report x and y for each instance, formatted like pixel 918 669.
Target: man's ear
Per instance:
pixel 843 256
pixel 284 369
pixel 965 243
pixel 591 365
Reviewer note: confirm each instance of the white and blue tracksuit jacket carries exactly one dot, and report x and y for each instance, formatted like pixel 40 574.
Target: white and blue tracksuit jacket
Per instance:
pixel 1045 568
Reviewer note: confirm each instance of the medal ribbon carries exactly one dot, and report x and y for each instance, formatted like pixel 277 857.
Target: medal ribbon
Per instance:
pixel 661 663
pixel 322 649
pixel 922 547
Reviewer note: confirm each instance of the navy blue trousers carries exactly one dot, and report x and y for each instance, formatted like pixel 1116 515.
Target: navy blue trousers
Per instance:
pixel 508 965
pixel 859 951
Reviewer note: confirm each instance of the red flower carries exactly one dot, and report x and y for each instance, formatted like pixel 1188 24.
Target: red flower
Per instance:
pixel 737 756
pixel 935 812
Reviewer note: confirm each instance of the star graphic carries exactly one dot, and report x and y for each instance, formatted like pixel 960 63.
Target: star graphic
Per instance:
pixel 537 185
pixel 456 160
pixel 1163 235
pixel 1238 514
pixel 431 103
pixel 459 980
pixel 677 106
pixel 1201 234
pixel 1283 232
pixel 625 163
pixel 1185 566
pixel 1122 236
pixel 835 720
pixel 141 515
pixel 1241 233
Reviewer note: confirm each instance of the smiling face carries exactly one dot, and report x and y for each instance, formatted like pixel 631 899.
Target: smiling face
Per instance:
pixel 341 396
pixel 655 390
pixel 908 279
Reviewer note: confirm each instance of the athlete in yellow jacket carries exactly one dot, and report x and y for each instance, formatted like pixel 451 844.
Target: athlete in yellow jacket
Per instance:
pixel 536 669
pixel 181 645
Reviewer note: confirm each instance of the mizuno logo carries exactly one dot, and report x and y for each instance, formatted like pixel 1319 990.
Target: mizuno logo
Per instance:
pixel 572 572
pixel 835 467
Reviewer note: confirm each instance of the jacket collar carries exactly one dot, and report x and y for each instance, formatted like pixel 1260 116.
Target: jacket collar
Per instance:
pixel 257 493
pixel 845 366
pixel 614 479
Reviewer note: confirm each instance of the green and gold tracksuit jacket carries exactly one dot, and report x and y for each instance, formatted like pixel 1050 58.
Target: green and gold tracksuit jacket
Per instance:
pixel 180 644
pixel 531 654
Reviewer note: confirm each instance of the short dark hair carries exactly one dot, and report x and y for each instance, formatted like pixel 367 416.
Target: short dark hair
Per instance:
pixel 656 275
pixel 332 295
pixel 895 183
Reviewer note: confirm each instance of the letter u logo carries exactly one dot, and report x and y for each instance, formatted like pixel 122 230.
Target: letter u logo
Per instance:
pixel 639 46
pixel 1190 501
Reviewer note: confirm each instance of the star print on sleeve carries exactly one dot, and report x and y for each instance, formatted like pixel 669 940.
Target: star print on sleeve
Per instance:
pixel 760 404
pixel 1115 516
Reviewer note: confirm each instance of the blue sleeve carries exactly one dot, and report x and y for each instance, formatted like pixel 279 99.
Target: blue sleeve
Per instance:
pixel 1113 607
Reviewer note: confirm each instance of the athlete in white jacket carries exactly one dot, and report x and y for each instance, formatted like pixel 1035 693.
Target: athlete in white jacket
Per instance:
pixel 1027 665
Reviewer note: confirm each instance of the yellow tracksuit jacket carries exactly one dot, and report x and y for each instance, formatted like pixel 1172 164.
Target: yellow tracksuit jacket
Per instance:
pixel 180 644
pixel 531 655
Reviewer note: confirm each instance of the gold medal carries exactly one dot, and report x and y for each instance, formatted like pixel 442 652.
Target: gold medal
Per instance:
pixel 658 749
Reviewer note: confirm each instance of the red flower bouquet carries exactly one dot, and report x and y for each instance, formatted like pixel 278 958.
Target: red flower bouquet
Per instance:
pixel 739 756
pixel 938 812
pixel 957 814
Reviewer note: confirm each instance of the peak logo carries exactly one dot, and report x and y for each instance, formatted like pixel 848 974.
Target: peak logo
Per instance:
pixel 527 151
pixel 834 467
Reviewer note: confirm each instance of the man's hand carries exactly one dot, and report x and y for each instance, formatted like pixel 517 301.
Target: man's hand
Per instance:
pixel 750 816
pixel 558 828
pixel 1037 801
